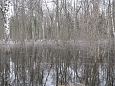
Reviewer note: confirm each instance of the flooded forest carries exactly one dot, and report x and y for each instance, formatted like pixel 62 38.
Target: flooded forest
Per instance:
pixel 57 43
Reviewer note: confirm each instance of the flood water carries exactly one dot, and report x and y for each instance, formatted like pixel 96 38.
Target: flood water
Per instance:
pixel 55 64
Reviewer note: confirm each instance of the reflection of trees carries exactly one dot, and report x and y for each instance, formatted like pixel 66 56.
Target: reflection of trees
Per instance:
pixel 70 65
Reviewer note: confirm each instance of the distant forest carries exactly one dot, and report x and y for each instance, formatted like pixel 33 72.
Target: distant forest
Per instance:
pixel 57 19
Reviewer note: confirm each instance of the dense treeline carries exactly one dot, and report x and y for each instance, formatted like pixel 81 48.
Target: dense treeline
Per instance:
pixel 59 19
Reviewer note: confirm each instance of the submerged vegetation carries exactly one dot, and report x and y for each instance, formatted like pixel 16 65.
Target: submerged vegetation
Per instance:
pixel 38 63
